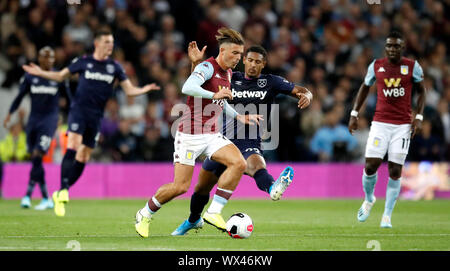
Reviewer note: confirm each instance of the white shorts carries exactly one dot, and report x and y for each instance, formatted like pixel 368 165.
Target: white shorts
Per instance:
pixel 391 138
pixel 189 147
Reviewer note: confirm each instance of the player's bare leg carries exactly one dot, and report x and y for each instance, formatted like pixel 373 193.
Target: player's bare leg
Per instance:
pixel 179 186
pixel 392 192
pixel 369 180
pixel 182 180
pixel 231 157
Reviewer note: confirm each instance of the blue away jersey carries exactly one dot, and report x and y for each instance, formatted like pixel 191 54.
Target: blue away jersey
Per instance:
pixel 249 94
pixel 95 82
pixel 44 95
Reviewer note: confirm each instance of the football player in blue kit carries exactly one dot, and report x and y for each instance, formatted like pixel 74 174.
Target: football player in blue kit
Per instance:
pixel 249 88
pixel 97 73
pixel 41 124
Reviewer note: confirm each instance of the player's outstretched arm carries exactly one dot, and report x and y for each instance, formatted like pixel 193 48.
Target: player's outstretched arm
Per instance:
pixel 360 98
pixel 304 96
pixel 416 125
pixel 50 75
pixel 132 90
pixel 195 55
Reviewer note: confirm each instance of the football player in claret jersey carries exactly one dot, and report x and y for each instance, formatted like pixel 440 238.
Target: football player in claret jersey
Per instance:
pixel 250 89
pixel 393 126
pixel 198 133
pixel 41 124
pixel 97 73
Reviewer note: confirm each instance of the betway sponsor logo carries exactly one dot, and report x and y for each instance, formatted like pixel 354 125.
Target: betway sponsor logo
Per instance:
pixel 44 90
pixel 99 76
pixel 249 94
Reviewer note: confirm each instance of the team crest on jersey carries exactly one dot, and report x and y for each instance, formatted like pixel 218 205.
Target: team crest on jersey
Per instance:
pixel 381 69
pixel 261 83
pixel 53 83
pixel 35 80
pixel 90 65
pixel 74 126
pixel 404 69
pixel 110 68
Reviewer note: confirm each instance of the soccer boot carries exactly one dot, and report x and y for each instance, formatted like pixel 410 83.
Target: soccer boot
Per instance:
pixel 142 224
pixel 187 226
pixel 281 184
pixel 215 220
pixel 386 222
pixel 44 204
pixel 60 198
pixel 25 202
pixel 364 211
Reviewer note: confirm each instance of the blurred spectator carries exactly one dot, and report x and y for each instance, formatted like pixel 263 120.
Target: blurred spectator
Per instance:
pixel 153 147
pixel 13 148
pixel 426 146
pixel 78 31
pixel 207 30
pixel 168 31
pixel 124 145
pixel 422 180
pixel 133 113
pixel 232 15
pixel 333 142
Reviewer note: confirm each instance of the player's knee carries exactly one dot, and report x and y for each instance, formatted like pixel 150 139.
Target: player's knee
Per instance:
pixel 395 173
pixel 370 169
pixel 180 189
pixel 240 165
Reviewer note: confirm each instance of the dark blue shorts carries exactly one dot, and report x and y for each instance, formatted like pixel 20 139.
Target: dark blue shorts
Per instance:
pixel 40 132
pixel 88 126
pixel 247 148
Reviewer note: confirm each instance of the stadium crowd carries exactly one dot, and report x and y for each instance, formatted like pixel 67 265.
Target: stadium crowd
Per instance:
pixel 323 45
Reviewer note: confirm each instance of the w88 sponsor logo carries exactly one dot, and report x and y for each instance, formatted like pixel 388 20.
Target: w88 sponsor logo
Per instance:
pixel 394 92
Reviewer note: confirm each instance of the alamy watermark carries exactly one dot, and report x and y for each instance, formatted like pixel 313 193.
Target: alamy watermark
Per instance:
pixel 199 119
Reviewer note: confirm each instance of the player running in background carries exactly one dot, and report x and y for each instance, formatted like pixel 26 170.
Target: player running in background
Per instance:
pixel 41 124
pixel 97 73
pixel 198 133
pixel 249 88
pixel 392 126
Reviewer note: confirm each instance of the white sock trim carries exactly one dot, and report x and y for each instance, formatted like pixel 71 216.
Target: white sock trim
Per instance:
pixel 156 202
pixel 225 190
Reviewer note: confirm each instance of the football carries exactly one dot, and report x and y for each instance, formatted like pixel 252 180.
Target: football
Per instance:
pixel 240 226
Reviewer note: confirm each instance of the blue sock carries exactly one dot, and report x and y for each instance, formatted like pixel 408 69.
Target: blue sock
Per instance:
pixel 368 183
pixel 263 180
pixel 392 192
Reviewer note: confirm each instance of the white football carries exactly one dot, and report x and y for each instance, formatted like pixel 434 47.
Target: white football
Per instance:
pixel 240 226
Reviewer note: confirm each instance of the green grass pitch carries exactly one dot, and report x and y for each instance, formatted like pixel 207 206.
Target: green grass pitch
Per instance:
pixel 296 225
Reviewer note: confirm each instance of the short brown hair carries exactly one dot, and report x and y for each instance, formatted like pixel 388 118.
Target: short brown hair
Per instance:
pixel 229 35
pixel 103 31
